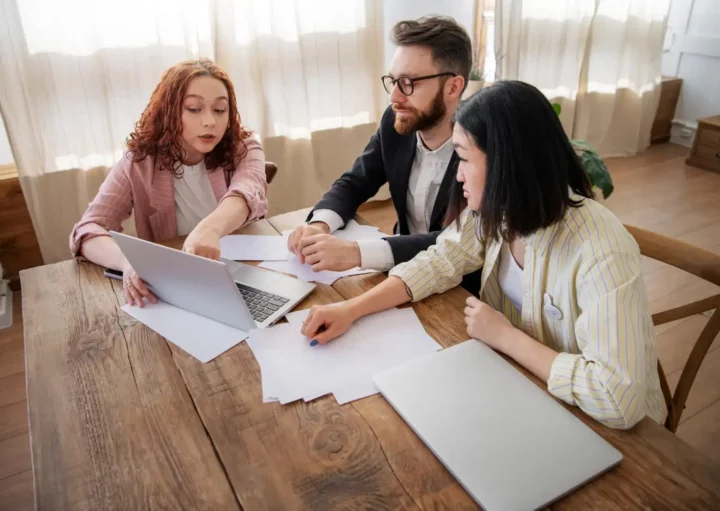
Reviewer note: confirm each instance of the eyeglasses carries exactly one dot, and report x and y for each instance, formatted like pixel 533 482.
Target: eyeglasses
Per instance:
pixel 407 84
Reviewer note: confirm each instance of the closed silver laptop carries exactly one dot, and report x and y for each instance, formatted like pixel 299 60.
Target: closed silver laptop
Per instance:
pixel 508 442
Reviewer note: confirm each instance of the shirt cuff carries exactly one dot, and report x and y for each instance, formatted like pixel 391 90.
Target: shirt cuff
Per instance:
pixel 375 255
pixel 560 383
pixel 328 216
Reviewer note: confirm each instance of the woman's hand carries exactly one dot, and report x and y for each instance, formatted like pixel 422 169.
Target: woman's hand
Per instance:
pixel 134 288
pixel 488 325
pixel 203 241
pixel 326 322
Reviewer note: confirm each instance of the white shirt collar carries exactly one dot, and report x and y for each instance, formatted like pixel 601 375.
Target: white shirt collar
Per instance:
pixel 445 148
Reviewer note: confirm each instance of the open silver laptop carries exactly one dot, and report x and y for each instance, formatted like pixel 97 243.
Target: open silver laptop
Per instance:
pixel 508 443
pixel 233 293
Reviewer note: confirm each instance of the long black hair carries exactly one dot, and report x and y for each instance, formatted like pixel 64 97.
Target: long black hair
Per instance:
pixel 531 166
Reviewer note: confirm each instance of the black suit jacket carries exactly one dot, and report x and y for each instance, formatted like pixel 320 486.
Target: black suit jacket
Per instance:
pixel 388 158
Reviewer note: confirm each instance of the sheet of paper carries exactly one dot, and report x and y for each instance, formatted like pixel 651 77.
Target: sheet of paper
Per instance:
pixel 355 232
pixel 239 247
pixel 293 266
pixel 354 390
pixel 307 399
pixel 297 318
pixel 358 386
pixel 274 349
pixel 344 366
pixel 197 335
pixel 344 392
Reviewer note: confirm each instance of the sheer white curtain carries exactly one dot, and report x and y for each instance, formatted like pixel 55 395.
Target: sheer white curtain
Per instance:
pixel 600 59
pixel 307 73
pixel 75 76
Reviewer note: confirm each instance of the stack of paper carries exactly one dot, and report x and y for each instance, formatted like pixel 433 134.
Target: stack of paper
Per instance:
pixel 238 247
pixel 292 369
pixel 355 232
pixel 292 266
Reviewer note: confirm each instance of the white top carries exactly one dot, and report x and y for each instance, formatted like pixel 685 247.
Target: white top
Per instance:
pixel 426 175
pixel 194 198
pixel 510 276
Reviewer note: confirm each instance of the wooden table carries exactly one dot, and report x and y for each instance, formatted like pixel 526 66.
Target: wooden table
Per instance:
pixel 122 419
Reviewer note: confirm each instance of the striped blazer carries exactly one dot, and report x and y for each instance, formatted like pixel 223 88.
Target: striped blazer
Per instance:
pixel 588 267
pixel 137 187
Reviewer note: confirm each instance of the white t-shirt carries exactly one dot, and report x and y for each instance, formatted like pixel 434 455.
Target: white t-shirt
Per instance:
pixel 194 198
pixel 510 276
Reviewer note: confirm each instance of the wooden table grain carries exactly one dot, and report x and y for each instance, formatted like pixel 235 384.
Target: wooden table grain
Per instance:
pixel 122 419
pixel 112 424
pixel 659 471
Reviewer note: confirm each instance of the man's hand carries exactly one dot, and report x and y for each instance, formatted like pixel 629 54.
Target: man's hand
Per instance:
pixel 326 252
pixel 305 231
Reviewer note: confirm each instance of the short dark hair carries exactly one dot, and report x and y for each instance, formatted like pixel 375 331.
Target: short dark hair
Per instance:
pixel 531 165
pixel 449 42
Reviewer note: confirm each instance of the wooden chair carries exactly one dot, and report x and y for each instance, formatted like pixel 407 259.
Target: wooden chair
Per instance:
pixel 270 171
pixel 700 263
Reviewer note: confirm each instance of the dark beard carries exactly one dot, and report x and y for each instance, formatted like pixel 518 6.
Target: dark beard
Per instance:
pixel 425 120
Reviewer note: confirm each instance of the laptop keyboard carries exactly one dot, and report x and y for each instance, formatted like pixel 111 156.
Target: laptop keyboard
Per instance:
pixel 261 304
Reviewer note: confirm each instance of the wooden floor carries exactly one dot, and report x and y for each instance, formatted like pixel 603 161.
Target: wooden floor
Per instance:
pixel 655 190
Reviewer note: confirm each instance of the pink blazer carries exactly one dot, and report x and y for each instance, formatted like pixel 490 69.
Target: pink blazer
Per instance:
pixel 137 186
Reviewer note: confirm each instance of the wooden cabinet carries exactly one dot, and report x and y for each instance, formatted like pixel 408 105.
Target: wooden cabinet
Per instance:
pixel 705 152
pixel 669 95
pixel 18 244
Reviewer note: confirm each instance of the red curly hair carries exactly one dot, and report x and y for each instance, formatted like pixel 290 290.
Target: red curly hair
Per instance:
pixel 158 132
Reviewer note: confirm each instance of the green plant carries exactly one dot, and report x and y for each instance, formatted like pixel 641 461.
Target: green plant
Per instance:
pixel 476 73
pixel 594 165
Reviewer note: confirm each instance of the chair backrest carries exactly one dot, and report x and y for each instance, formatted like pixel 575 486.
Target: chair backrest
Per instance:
pixel 270 171
pixel 700 263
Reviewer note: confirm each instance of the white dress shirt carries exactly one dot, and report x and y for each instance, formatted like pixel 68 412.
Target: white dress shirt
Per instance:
pixel 510 277
pixel 194 198
pixel 426 175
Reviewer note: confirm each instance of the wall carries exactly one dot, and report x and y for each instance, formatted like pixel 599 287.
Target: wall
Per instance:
pixel 397 10
pixel 6 156
pixel 694 56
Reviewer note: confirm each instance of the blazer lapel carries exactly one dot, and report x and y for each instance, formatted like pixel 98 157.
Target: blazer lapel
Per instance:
pixel 218 183
pixel 400 178
pixel 441 202
pixel 162 202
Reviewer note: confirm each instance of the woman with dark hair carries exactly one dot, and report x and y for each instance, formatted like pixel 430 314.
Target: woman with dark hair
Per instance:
pixel 190 169
pixel 561 288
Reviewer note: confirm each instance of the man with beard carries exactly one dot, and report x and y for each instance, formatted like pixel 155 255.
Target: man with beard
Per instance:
pixel 412 151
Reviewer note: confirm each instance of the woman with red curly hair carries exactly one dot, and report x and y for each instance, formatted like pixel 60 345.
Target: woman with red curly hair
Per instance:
pixel 190 169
